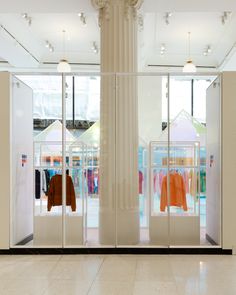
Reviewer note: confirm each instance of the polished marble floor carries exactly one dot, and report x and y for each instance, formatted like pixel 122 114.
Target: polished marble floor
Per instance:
pixel 118 274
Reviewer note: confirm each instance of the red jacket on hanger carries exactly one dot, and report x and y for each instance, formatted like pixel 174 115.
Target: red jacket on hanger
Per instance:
pixel 55 192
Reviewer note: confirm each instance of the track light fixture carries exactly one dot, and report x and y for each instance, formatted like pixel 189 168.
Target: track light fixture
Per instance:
pixel 27 18
pixel 49 46
pixel 82 18
pixel 167 17
pixel 95 47
pixel 207 51
pixel 225 17
pixel 163 49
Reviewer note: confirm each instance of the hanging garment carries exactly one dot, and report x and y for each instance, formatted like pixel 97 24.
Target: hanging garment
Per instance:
pixel 177 192
pixel 140 173
pixel 47 177
pixel 155 181
pixel 55 192
pixel 186 181
pixel 203 181
pixel 90 181
pixel 37 184
pixel 44 181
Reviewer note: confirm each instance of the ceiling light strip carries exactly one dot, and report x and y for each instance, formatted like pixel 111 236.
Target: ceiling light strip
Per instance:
pixel 22 46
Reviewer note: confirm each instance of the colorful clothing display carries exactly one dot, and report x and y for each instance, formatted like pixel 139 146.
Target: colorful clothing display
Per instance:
pixel 92 181
pixel 140 173
pixel 177 192
pixel 203 181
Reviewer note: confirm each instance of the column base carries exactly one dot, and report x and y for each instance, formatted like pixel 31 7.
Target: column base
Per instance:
pixel 127 227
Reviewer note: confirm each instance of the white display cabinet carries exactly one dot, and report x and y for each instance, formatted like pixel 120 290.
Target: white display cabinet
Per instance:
pixel 174 184
pixel 49 225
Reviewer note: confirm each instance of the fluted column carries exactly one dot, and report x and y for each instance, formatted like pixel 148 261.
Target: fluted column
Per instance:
pixel 118 122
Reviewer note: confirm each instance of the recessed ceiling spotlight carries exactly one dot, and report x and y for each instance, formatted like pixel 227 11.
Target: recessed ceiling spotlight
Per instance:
pixel 24 15
pixel 82 18
pixel 47 44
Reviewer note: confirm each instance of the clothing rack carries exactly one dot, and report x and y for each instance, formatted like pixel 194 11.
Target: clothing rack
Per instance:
pixel 194 150
pixel 38 147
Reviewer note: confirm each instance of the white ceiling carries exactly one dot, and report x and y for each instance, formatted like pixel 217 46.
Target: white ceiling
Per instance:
pixel 72 6
pixel 206 29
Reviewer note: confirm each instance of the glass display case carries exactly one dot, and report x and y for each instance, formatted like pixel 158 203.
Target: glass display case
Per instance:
pixel 175 189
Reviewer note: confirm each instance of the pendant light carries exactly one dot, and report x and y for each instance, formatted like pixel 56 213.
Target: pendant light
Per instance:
pixel 63 66
pixel 189 67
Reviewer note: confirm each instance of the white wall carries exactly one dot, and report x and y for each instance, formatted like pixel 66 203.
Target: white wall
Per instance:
pixel 22 176
pixel 229 159
pixel 150 107
pixel 5 160
pixel 213 180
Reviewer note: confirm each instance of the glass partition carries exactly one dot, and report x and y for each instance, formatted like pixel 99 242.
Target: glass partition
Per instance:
pixel 135 152
pixel 36 158
pixel 142 113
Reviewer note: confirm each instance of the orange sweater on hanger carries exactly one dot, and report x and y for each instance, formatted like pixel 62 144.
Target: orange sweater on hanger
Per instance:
pixel 177 192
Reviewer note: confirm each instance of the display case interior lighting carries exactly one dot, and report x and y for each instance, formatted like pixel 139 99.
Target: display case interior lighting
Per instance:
pixel 82 17
pixel 189 67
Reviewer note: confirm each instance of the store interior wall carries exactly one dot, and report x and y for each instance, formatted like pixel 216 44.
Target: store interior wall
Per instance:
pixel 228 160
pixel 22 161
pixel 213 162
pixel 5 179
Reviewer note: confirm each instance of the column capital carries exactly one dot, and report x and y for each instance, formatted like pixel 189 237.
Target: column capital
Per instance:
pixel 135 3
pixel 104 6
pixel 131 7
pixel 99 4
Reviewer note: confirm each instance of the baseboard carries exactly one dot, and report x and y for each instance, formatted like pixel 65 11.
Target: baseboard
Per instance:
pixel 112 251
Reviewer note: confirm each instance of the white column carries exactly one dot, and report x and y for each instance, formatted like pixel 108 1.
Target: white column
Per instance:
pixel 119 123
